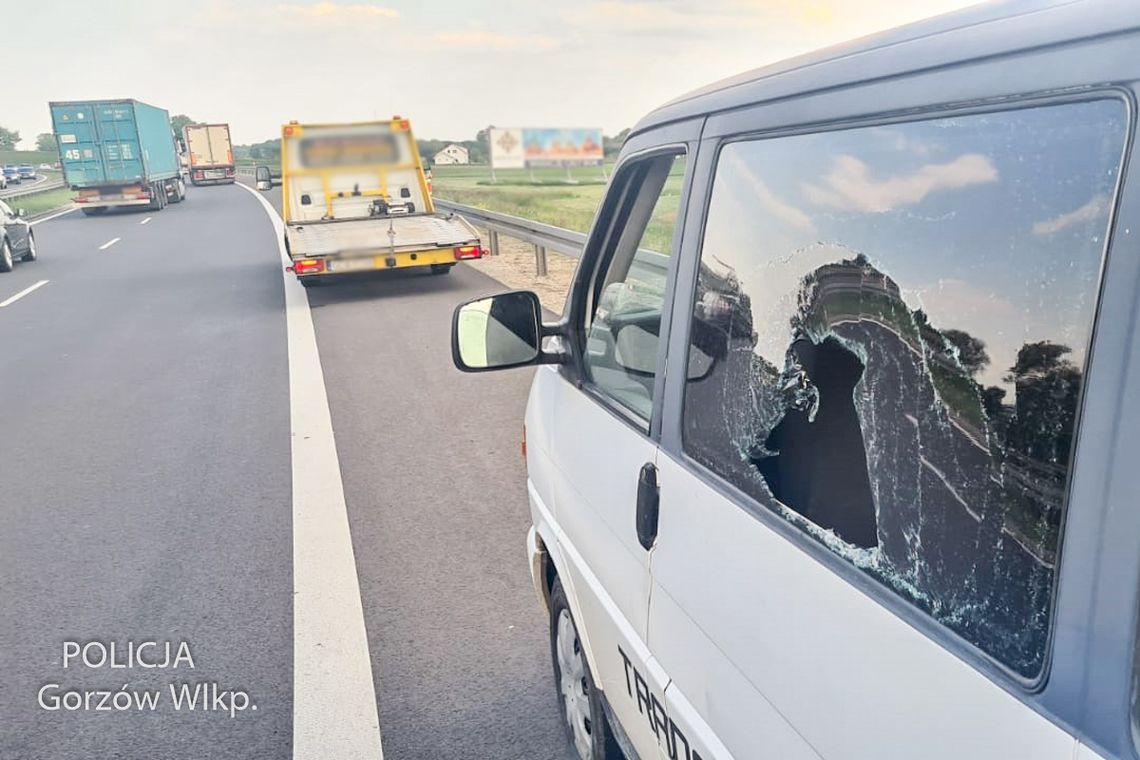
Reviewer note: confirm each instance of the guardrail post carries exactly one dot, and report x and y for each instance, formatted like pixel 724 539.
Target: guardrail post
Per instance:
pixel 493 241
pixel 540 259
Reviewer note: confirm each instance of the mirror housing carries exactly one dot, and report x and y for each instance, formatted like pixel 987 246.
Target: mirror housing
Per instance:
pixel 499 332
pixel 21 213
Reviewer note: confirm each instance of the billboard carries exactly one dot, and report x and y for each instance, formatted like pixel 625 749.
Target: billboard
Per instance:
pixel 527 147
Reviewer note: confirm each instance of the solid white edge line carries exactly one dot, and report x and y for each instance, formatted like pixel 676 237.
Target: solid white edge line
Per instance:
pixel 23 293
pixel 54 216
pixel 334 699
pixel 109 243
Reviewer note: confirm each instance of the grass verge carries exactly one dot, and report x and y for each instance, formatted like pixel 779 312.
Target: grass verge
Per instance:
pixel 38 203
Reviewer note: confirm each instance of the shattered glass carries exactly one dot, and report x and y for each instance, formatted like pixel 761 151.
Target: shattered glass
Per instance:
pixel 896 321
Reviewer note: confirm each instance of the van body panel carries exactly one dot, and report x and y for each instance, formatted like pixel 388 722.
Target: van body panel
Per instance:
pixel 846 674
pixel 766 643
pixel 604 566
pixel 1072 697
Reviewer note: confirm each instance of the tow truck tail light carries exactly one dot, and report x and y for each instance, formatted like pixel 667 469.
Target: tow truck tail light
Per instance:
pixel 468 252
pixel 199 174
pixel 309 266
pixel 230 172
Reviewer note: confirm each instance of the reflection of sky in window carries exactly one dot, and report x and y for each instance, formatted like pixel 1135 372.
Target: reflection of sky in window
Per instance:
pixel 992 223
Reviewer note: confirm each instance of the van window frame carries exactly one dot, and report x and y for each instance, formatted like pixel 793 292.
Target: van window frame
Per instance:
pixel 671 443
pixel 605 233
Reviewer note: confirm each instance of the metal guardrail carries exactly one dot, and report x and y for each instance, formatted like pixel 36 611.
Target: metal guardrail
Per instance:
pixel 650 266
pixel 541 236
pixel 42 187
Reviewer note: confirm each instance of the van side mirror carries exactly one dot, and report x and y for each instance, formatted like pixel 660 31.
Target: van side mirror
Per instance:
pixel 21 213
pixel 497 332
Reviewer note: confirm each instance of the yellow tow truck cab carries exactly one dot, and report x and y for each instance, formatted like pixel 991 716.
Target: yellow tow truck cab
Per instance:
pixel 356 199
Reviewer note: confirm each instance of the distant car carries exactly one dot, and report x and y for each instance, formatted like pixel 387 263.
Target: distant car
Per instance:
pixel 16 238
pixel 12 174
pixel 26 171
pixel 3 181
pixel 45 166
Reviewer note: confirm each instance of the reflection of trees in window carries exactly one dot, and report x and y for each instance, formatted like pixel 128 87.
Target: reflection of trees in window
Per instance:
pixel 877 433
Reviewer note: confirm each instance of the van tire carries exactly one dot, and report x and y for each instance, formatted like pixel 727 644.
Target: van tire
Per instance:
pixel 5 256
pixel 594 733
pixel 441 268
pixel 94 211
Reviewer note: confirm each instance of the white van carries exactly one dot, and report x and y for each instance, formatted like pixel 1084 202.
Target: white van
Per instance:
pixel 833 452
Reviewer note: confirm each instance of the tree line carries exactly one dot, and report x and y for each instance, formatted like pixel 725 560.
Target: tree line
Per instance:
pixel 478 149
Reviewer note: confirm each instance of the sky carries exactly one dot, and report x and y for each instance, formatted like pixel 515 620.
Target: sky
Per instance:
pixel 452 67
pixel 991 223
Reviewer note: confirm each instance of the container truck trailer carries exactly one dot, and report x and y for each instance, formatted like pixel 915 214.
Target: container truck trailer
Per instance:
pixel 117 153
pixel 211 154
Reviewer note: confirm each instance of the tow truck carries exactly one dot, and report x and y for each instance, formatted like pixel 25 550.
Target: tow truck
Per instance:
pixel 356 199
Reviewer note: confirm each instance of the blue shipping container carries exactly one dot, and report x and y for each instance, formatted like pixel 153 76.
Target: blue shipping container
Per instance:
pixel 113 142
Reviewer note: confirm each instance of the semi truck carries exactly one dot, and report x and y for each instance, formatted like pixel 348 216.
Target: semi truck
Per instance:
pixel 117 153
pixel 355 199
pixel 211 154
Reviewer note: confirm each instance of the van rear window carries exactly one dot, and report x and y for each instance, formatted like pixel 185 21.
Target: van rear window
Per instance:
pixel 897 320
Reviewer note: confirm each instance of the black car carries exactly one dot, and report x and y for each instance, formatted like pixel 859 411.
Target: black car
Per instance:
pixel 16 238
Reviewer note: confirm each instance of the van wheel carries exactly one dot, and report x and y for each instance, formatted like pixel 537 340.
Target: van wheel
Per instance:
pixel 441 268
pixel 5 256
pixel 31 254
pixel 310 282
pixel 94 210
pixel 179 192
pixel 582 714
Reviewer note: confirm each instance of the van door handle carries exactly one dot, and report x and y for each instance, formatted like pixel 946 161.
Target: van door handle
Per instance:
pixel 648 505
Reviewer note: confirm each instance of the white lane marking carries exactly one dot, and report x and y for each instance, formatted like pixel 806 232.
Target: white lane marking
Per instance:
pixel 109 243
pixel 334 701
pixel 144 221
pixel 23 293
pixel 54 216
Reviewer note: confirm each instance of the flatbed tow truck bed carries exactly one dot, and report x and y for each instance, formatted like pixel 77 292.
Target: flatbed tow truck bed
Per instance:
pixel 369 236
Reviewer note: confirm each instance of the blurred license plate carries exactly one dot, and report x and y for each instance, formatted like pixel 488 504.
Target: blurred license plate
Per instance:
pixel 350 265
pixel 215 173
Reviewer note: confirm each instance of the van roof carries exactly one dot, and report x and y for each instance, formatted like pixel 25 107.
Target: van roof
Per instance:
pixel 977 32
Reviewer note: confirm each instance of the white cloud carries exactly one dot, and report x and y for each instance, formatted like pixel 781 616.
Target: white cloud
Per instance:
pixel 330 13
pixel 851 187
pixel 483 39
pixel 817 22
pixel 762 194
pixel 650 18
pixel 1096 208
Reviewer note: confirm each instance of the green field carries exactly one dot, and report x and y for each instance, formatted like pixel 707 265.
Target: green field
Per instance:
pixel 33 157
pixel 550 199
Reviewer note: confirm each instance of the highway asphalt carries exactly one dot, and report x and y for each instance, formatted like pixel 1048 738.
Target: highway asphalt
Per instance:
pixel 148 486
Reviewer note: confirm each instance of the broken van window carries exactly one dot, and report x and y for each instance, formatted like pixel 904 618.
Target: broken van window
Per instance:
pixel 894 323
